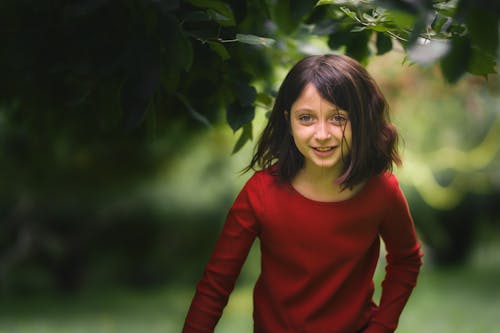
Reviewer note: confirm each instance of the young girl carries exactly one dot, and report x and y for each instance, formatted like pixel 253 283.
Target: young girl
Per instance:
pixel 321 201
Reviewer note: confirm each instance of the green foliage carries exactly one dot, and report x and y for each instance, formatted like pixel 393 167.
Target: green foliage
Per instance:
pixel 467 31
pixel 129 61
pixel 459 54
pixel 384 43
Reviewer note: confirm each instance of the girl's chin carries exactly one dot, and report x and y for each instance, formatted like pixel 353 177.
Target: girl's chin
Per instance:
pixel 325 165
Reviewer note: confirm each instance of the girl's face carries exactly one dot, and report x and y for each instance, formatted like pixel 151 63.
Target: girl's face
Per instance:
pixel 321 131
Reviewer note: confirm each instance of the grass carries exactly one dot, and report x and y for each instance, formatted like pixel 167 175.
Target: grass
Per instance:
pixel 457 300
pixel 96 312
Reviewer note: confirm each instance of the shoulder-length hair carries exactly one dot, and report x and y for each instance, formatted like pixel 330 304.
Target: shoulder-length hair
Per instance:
pixel 345 83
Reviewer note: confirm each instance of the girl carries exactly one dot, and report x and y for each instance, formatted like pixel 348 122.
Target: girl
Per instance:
pixel 321 201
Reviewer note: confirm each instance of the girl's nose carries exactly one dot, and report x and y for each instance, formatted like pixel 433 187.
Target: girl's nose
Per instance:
pixel 322 131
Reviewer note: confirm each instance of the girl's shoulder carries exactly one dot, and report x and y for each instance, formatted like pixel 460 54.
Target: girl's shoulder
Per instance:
pixel 386 182
pixel 261 186
pixel 387 186
pixel 389 179
pixel 263 178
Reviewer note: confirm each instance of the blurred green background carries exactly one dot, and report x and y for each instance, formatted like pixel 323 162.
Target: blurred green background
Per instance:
pixel 109 231
pixel 132 264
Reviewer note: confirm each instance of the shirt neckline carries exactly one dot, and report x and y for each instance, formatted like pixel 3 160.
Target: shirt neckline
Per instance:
pixel 362 192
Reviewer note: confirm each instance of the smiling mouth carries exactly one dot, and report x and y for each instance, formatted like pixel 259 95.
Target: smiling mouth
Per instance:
pixel 323 149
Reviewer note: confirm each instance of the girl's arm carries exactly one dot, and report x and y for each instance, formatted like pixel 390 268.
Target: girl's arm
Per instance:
pixel 224 266
pixel 403 263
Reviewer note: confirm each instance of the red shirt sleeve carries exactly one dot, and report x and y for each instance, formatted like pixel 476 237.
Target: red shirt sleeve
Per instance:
pixel 403 261
pixel 224 266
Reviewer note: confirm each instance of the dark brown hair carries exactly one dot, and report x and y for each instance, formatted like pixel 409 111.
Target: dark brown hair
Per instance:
pixel 345 83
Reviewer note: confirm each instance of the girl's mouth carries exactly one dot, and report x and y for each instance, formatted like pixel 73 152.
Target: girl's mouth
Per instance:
pixel 323 149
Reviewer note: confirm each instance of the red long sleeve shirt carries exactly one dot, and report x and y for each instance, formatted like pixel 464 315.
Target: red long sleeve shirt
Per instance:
pixel 318 259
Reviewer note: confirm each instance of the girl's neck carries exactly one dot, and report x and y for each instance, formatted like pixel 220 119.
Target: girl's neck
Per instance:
pixel 321 185
pixel 321 177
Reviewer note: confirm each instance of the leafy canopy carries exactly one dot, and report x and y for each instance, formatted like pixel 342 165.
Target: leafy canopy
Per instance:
pixel 82 74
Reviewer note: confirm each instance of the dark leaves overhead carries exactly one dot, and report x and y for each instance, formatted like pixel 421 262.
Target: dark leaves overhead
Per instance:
pixel 141 83
pixel 89 68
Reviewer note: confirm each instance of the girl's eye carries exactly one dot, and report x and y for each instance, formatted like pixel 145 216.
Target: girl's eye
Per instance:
pixel 339 119
pixel 305 118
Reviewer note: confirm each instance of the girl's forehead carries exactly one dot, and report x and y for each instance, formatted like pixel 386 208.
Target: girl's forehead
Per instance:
pixel 311 100
pixel 311 95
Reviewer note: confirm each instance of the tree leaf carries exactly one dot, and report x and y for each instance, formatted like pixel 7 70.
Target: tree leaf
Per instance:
pixel 401 19
pixel 142 82
pixel 221 19
pixel 378 28
pixel 384 43
pixel 325 2
pixel 446 8
pixel 368 18
pixel 288 14
pixel 176 42
pixel 255 40
pixel 245 93
pixel 358 28
pixel 339 39
pixel 224 12
pixel 357 47
pixel 349 13
pixel 197 16
pixel 265 99
pixel 407 6
pixel 220 50
pixel 238 115
pixel 440 23
pixel 481 62
pixel 246 135
pixel 192 112
pixel 299 9
pixel 456 62
pixel 281 14
pixel 483 29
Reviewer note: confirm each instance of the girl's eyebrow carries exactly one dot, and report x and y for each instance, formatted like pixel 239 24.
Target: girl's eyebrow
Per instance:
pixel 342 111
pixel 303 109
pixel 335 110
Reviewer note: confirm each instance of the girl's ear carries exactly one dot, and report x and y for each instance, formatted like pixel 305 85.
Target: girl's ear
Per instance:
pixel 287 115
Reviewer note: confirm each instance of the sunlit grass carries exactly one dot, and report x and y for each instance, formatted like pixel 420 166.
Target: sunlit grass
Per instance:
pixel 105 311
pixel 456 300
pixel 111 311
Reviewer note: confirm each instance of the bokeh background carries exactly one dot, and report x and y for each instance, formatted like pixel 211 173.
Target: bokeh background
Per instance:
pixel 107 232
